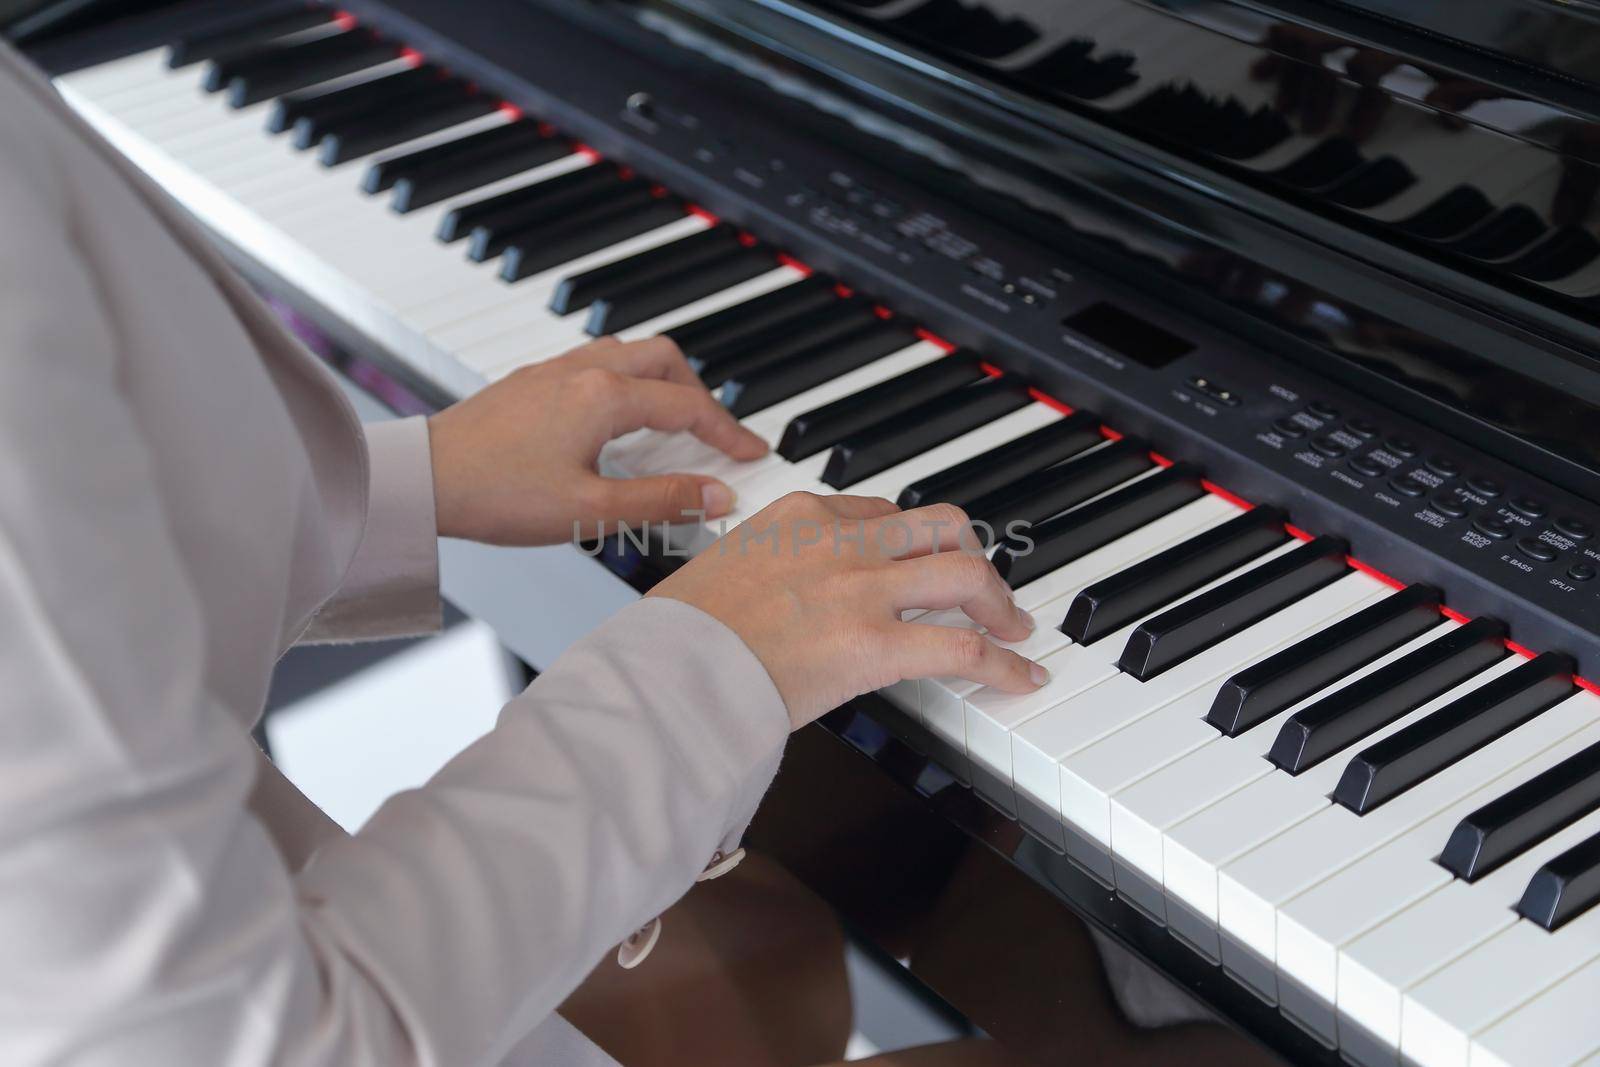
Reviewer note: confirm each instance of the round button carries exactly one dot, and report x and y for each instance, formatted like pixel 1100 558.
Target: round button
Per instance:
pixel 1289 428
pixel 1444 466
pixel 1536 550
pixel 1329 447
pixel 1362 465
pixel 1576 529
pixel 1407 486
pixel 1449 504
pixel 1361 427
pixel 1485 486
pixel 1526 505
pixel 1492 528
pixel 1581 572
pixel 1322 410
pixel 1401 446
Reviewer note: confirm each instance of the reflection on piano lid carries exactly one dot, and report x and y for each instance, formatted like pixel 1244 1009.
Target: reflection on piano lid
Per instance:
pixel 1369 810
pixel 1447 175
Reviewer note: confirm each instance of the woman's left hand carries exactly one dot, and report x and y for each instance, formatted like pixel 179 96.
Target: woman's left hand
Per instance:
pixel 515 463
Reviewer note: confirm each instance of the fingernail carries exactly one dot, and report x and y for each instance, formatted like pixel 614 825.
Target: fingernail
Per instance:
pixel 716 498
pixel 1037 674
pixel 1027 619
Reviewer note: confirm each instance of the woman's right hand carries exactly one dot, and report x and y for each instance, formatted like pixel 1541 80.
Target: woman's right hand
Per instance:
pixel 816 585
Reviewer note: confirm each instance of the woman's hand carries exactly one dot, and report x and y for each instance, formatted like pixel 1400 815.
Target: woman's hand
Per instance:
pixel 816 587
pixel 515 464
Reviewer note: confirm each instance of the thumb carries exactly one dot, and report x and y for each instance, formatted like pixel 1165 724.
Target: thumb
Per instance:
pixel 666 498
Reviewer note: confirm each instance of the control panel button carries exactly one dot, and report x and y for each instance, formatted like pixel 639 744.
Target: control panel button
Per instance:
pixel 1322 410
pixel 1407 486
pixel 1581 572
pixel 1536 550
pixel 1449 504
pixel 1289 428
pixel 1494 528
pixel 1576 529
pixel 1444 466
pixel 1361 427
pixel 1206 387
pixel 1363 465
pixel 1401 446
pixel 1526 505
pixel 1329 447
pixel 1485 486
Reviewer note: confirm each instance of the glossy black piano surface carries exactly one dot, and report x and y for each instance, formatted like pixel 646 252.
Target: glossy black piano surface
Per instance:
pixel 1341 261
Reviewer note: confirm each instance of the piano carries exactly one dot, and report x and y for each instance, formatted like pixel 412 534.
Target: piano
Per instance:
pixel 1261 335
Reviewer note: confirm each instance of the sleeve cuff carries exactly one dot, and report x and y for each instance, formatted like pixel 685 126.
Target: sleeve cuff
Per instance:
pixel 392 586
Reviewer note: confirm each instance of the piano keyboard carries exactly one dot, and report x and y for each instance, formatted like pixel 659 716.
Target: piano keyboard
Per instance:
pixel 1370 811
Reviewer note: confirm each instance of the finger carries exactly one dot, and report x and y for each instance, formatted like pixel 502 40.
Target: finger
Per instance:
pixel 958 580
pixel 657 358
pixel 858 507
pixel 922 650
pixel 662 498
pixel 674 408
pixel 921 531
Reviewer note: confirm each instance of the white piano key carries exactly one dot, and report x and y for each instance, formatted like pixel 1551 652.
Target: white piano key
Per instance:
pixel 941 700
pixel 1039 746
pixel 103 81
pixel 1376 968
pixel 533 293
pixel 504 354
pixel 1211 767
pixel 1315 924
pixel 806 475
pixel 1091 776
pixel 1557 1028
pixel 682 452
pixel 1195 851
pixel 1254 886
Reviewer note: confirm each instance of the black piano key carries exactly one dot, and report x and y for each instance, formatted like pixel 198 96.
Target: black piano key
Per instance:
pixel 1195 625
pixel 1500 235
pixel 1383 770
pixel 577 291
pixel 659 293
pixel 729 329
pixel 371 133
pixel 1040 550
pixel 1008 464
pixel 252 34
pixel 279 69
pixel 1372 184
pixel 1287 677
pixel 319 106
pixel 1564 252
pixel 823 427
pixel 584 232
pixel 383 173
pixel 921 429
pixel 312 127
pixel 548 199
pixel 1031 500
pixel 598 195
pixel 1314 733
pixel 1565 887
pixel 1322 165
pixel 746 395
pixel 1509 825
pixel 1136 591
pixel 1449 216
pixel 833 323
pixel 426 186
